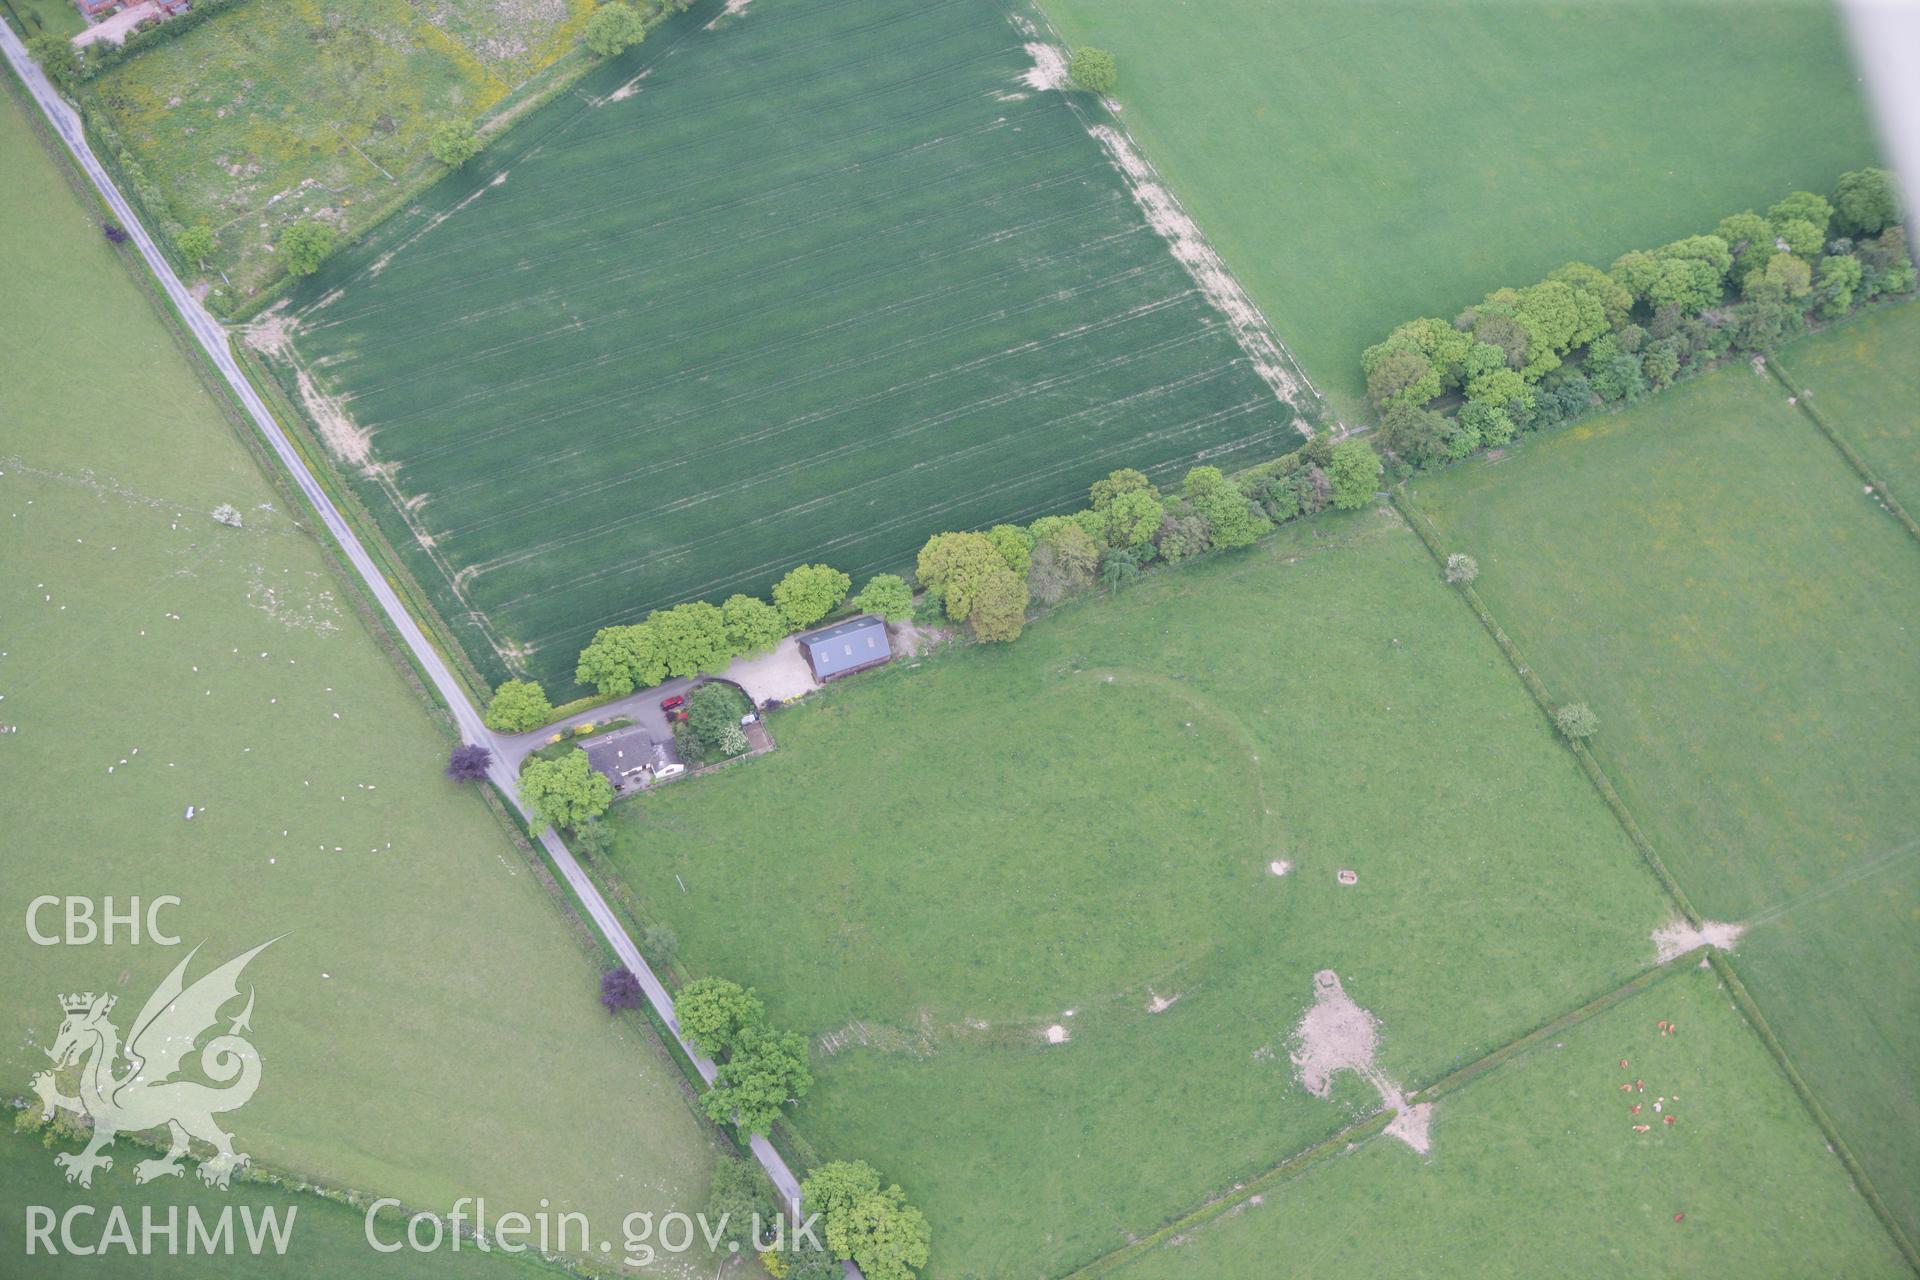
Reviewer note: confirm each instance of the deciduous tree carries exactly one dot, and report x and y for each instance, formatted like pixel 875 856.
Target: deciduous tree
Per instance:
pixel 55 56
pixel 1577 721
pixel 195 243
pixel 1488 420
pixel 1132 519
pixel 1749 238
pixel 809 593
pixel 1063 564
pixel 1093 70
pixel 613 29
pixel 712 709
pixel 1232 520
pixel 1615 300
pixel 1398 375
pixel 1840 275
pixel 468 762
pixel 564 792
pixel 999 610
pixel 1417 436
pixel 752 625
pixel 738 1197
pixel 881 1233
pixel 620 989
pixel 1014 544
pixel 518 706
pixel 1126 480
pixel 1866 202
pixel 454 142
pixel 1354 470
pixel 691 637
pixel 712 1012
pixel 1790 273
pixel 1804 205
pixel 1801 237
pixel 305 245
pixel 622 659
pixel 887 596
pixel 954 565
pixel 1184 536
pixel 764 1070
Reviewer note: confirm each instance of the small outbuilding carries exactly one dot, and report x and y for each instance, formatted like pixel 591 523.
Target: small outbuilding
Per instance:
pixel 846 647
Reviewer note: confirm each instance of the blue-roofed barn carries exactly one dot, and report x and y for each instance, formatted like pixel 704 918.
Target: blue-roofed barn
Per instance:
pixel 846 647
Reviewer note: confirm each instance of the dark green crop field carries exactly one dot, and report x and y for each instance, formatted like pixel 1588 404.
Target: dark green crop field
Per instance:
pixel 800 282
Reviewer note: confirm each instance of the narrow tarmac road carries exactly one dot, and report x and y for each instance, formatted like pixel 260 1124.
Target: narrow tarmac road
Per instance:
pixel 212 337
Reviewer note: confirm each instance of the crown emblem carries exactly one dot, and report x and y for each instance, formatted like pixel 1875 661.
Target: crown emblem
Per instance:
pixel 80 1003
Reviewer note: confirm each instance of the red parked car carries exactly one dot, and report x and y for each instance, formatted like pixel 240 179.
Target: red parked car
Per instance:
pixel 668 704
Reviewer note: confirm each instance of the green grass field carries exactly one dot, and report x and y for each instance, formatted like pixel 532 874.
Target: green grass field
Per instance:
pixel 430 1030
pixel 661 345
pixel 1865 381
pixel 1360 164
pixel 270 113
pixel 325 1238
pixel 1706 573
pixel 940 863
pixel 61 17
pixel 1537 1160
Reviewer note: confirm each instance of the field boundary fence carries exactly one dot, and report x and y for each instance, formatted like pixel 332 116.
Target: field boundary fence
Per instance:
pixel 1423 527
pixel 1802 400
pixel 1372 1126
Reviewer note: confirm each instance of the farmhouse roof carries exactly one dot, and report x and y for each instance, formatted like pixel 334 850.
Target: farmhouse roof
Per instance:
pixel 846 647
pixel 621 755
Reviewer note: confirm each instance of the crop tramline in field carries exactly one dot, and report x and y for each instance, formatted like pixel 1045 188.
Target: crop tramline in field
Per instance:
pixel 798 283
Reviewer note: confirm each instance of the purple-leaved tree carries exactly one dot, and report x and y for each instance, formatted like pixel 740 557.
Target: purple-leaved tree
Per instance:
pixel 619 989
pixel 468 763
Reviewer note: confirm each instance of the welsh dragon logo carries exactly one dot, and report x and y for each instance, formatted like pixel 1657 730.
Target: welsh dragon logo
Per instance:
pixel 147 1092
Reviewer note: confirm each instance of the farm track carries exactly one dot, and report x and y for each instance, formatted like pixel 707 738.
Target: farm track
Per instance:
pixel 674 343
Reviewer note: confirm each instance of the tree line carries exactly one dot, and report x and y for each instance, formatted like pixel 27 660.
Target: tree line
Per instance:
pixel 987 581
pixel 1528 358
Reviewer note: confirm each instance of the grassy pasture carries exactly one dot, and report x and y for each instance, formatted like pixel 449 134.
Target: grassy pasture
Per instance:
pixel 1879 415
pixel 1537 1159
pixel 327 1238
pixel 667 339
pixel 61 17
pixel 941 863
pixel 426 1022
pixel 270 112
pixel 1705 571
pixel 1360 164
